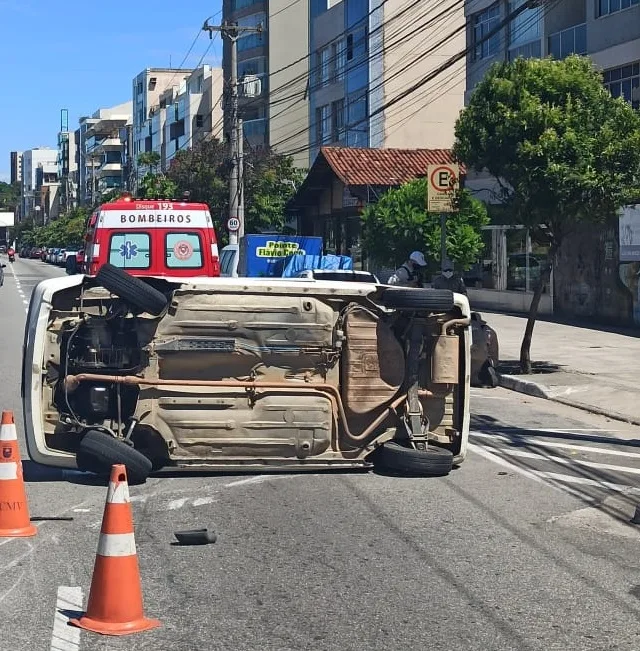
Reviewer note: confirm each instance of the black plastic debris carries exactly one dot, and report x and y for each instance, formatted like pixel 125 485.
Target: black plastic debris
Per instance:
pixel 196 537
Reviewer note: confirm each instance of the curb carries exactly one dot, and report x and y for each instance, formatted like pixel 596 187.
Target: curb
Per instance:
pixel 537 391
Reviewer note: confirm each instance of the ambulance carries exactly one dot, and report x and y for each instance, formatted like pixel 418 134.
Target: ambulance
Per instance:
pixel 152 238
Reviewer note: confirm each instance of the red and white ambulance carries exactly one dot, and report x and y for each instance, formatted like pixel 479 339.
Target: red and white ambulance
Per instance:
pixel 152 238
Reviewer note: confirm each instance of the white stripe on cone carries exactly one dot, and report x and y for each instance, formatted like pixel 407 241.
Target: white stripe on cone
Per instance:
pixel 9 470
pixel 117 544
pixel 8 433
pixel 118 493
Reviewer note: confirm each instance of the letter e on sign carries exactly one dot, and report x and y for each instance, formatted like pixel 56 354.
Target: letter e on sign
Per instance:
pixel 442 182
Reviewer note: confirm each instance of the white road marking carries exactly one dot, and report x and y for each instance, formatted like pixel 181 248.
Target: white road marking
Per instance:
pixel 524 454
pixel 201 501
pixel 65 637
pixel 249 480
pixel 82 510
pixel 558 444
pixel 138 498
pixel 177 504
pixel 554 479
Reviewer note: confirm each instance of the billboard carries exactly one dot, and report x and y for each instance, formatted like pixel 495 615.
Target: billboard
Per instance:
pixel 629 233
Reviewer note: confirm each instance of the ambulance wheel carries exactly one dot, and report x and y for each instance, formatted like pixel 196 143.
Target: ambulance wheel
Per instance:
pixel 131 289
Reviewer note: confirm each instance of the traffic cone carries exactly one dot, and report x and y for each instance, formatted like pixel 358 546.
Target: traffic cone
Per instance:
pixel 14 510
pixel 115 598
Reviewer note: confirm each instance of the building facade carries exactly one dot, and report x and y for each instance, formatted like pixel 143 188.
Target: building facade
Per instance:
pixel 184 115
pixel 101 152
pixel 364 53
pixel 277 117
pixel 147 89
pixel 608 31
pixel 39 167
pixel 68 170
pixel 16 167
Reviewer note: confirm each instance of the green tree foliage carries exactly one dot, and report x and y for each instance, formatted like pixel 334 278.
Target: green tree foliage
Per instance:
pixel 154 184
pixel 9 196
pixel 566 153
pixel 399 223
pixel 269 182
pixel 67 230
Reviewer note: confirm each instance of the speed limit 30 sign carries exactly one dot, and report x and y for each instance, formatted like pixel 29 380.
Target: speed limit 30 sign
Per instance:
pixel 442 182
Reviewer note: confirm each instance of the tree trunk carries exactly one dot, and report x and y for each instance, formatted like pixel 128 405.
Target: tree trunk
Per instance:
pixel 525 348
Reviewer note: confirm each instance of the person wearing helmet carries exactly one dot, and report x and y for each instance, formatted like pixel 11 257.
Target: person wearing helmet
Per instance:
pixel 449 279
pixel 406 275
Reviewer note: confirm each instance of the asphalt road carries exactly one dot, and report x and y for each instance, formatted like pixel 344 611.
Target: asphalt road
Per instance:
pixel 526 546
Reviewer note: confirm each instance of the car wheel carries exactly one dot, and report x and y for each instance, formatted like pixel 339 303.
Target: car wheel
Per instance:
pixel 98 451
pixel 131 289
pixel 432 462
pixel 401 298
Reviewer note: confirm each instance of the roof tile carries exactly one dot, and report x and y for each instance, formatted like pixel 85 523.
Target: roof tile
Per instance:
pixel 382 166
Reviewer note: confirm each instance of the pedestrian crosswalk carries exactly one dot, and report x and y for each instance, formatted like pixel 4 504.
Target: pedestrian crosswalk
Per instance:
pixel 581 461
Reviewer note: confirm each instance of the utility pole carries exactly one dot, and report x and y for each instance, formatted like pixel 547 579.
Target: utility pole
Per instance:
pixel 231 31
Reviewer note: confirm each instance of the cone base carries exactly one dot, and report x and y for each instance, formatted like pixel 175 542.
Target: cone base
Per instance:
pixel 19 532
pixel 115 628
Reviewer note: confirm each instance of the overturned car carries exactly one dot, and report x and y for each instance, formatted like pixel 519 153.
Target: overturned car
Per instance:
pixel 244 374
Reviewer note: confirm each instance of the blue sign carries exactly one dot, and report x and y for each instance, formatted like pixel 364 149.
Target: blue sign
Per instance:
pixel 129 250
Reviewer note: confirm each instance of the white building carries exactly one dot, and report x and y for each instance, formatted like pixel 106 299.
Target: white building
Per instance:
pixel 39 166
pixel 101 148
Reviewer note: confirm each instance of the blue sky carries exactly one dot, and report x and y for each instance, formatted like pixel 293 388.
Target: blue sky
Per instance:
pixel 83 56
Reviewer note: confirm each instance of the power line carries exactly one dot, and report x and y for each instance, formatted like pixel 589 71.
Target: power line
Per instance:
pixel 431 75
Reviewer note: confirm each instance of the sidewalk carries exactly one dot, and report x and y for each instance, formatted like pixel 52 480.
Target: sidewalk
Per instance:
pixel 584 367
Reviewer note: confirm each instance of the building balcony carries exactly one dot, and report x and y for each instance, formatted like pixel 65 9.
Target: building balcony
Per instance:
pixel 107 126
pixel 109 144
pixel 110 169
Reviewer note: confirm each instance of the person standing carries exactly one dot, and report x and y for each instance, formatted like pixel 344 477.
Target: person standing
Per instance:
pixel 449 279
pixel 406 275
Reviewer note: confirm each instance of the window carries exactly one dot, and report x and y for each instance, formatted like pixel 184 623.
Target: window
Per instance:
pixel 199 121
pixel 130 250
pixel 251 39
pixel 349 47
pixel 199 83
pixel 337 121
pixel 140 88
pixel 525 27
pixel 606 7
pixel 625 82
pixel 323 125
pixel 338 56
pixel 529 51
pixel 483 23
pixel 324 69
pixel 568 41
pixel 183 250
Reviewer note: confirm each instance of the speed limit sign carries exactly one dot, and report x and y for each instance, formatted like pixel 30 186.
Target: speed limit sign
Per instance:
pixel 233 224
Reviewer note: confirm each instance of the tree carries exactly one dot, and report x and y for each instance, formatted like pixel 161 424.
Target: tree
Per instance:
pixel 269 181
pixel 565 152
pixel 399 223
pixel 9 196
pixel 154 184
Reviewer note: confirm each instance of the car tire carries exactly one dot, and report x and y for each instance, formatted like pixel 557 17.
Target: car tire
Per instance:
pixel 131 289
pixel 432 462
pixel 98 451
pixel 401 298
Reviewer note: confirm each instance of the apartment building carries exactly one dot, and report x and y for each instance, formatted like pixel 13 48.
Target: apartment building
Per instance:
pixel 184 114
pixel 102 139
pixel 364 54
pixel 278 56
pixel 147 88
pixel 68 169
pixel 608 31
pixel 39 167
pixel 16 166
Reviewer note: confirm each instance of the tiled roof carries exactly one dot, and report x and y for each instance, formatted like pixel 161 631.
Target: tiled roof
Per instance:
pixel 382 166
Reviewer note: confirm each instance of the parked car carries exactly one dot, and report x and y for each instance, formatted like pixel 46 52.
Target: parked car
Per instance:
pixel 244 374
pixel 2 268
pixel 485 352
pixel 35 253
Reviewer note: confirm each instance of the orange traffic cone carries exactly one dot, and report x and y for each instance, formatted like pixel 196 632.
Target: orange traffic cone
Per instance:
pixel 14 510
pixel 115 598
